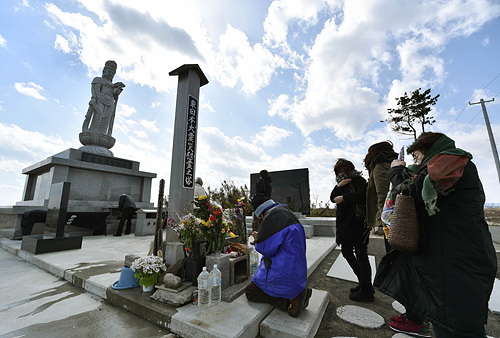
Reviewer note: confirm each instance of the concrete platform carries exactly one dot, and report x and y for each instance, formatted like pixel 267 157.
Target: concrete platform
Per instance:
pixel 279 324
pixel 97 265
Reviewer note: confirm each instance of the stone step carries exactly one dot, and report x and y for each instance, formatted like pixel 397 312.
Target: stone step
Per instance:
pixel 238 319
pixel 242 318
pixel 279 324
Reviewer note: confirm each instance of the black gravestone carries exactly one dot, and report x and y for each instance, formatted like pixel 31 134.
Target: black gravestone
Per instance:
pixel 290 187
pixel 56 218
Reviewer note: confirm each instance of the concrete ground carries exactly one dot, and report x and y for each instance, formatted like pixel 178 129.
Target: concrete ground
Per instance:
pixel 38 300
pixel 338 289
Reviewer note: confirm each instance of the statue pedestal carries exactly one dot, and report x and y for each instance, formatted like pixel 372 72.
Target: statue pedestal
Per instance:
pixel 96 182
pixel 96 143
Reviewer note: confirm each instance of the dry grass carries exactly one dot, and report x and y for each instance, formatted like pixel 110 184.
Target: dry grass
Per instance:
pixel 492 216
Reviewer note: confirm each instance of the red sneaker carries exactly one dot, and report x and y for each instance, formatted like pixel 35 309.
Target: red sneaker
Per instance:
pixel 411 328
pixel 400 319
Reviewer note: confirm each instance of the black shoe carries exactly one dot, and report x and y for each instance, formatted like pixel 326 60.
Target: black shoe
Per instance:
pixel 361 296
pixel 355 289
pixel 308 295
pixel 297 304
pixel 127 233
pixel 117 235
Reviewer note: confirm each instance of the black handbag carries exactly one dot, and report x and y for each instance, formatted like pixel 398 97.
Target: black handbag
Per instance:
pixel 360 211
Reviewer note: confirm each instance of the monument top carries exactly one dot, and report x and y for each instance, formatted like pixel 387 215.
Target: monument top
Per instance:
pixel 186 67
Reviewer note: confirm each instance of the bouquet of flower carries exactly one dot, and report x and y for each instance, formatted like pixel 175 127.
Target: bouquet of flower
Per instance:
pixel 244 206
pixel 189 229
pixel 147 269
pixel 235 217
pixel 213 226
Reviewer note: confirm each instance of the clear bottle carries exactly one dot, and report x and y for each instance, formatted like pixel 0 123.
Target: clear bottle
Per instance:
pixel 215 285
pixel 254 261
pixel 204 289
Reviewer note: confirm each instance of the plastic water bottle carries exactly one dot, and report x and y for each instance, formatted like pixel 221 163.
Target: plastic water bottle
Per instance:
pixel 254 261
pixel 215 285
pixel 204 289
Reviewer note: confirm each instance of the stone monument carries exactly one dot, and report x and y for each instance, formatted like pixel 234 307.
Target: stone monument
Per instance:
pixel 97 178
pixel 182 173
pixel 98 124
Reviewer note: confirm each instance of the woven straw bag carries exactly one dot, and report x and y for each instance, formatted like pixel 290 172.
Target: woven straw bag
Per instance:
pixel 404 231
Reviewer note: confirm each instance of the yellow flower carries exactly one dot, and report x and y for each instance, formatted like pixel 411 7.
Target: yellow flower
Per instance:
pixel 202 197
pixel 231 234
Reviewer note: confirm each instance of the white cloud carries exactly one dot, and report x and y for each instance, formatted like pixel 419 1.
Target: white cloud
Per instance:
pixel 155 104
pixel 362 40
pixel 148 42
pixel 25 142
pixel 30 89
pixel 62 44
pixel 237 60
pixel 280 107
pixel 282 12
pixel 150 126
pixel 271 136
pixel 486 41
pixel 126 110
pixel 141 133
pixel 207 106
pixel 3 42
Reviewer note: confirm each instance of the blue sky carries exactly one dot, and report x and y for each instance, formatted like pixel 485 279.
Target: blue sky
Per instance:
pixel 293 83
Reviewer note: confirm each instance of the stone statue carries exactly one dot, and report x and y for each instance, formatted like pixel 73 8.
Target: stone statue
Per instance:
pixel 102 105
pixel 98 125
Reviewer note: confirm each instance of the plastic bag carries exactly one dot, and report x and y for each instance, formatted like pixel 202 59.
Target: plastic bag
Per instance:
pixel 388 210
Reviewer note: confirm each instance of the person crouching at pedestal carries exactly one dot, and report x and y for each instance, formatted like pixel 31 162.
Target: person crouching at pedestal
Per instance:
pixel 281 277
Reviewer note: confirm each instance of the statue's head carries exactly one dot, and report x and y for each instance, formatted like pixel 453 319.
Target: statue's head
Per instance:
pixel 111 64
pixel 109 70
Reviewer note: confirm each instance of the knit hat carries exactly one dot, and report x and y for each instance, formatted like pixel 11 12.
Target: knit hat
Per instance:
pixel 260 203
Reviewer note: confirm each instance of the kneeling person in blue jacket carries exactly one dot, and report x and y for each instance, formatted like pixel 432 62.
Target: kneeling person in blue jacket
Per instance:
pixel 281 277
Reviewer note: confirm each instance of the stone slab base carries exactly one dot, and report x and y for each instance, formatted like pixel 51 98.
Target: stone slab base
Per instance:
pixel 279 324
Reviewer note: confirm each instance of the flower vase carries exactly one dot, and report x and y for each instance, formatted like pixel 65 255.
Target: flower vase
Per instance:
pixel 193 264
pixel 148 288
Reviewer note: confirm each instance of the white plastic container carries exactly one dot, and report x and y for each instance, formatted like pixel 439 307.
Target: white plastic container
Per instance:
pixel 215 286
pixel 254 261
pixel 204 289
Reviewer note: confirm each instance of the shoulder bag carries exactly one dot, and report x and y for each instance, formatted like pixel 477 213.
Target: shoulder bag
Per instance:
pixel 404 231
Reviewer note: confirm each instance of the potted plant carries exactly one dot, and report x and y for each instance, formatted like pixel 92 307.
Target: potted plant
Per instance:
pixel 147 269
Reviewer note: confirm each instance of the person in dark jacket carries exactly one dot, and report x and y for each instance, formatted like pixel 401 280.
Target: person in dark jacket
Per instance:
pixel 378 161
pixel 448 281
pixel 280 279
pixel 350 196
pixel 127 207
pixel 263 185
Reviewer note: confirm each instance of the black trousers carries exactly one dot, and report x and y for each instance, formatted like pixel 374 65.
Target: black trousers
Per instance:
pixel 359 263
pixel 29 219
pixel 255 294
pixel 127 214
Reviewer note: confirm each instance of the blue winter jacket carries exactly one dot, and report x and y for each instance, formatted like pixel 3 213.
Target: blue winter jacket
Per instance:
pixel 282 242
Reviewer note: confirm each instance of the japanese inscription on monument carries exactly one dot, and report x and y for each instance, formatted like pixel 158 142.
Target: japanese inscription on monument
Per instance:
pixel 190 146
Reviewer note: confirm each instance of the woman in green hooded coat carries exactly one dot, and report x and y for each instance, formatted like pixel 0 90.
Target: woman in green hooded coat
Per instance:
pixel 448 281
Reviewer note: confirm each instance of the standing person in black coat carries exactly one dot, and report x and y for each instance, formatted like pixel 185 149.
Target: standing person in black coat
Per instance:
pixel 264 184
pixel 449 280
pixel 126 205
pixel 262 187
pixel 350 196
